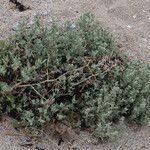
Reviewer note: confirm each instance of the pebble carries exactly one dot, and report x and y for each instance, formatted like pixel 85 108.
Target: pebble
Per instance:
pixel 40 147
pixel 44 14
pixel 144 40
pixel 26 142
pixel 73 26
pixel 15 26
pixel 135 16
pixel 128 26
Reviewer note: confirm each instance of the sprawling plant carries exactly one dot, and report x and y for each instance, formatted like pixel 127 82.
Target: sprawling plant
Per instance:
pixel 74 73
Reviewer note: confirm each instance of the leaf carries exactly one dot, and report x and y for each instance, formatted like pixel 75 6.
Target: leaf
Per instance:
pixel 11 99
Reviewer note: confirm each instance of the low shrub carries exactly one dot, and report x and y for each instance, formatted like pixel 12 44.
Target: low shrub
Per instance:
pixel 74 73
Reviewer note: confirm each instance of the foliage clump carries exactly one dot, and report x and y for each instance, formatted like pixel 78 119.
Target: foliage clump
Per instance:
pixel 73 73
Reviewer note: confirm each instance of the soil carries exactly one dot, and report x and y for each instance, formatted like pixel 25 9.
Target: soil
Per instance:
pixel 129 22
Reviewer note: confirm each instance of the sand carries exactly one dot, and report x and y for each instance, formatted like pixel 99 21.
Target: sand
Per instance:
pixel 129 22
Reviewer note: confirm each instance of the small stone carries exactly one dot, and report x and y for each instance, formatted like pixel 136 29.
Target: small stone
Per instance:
pixel 70 8
pixel 128 26
pixel 26 142
pixel 144 40
pixel 73 26
pixel 40 147
pixel 30 24
pixel 44 14
pixel 15 26
pixel 135 16
pixel 119 45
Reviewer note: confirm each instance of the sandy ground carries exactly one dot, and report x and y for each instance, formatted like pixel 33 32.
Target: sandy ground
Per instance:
pixel 128 20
